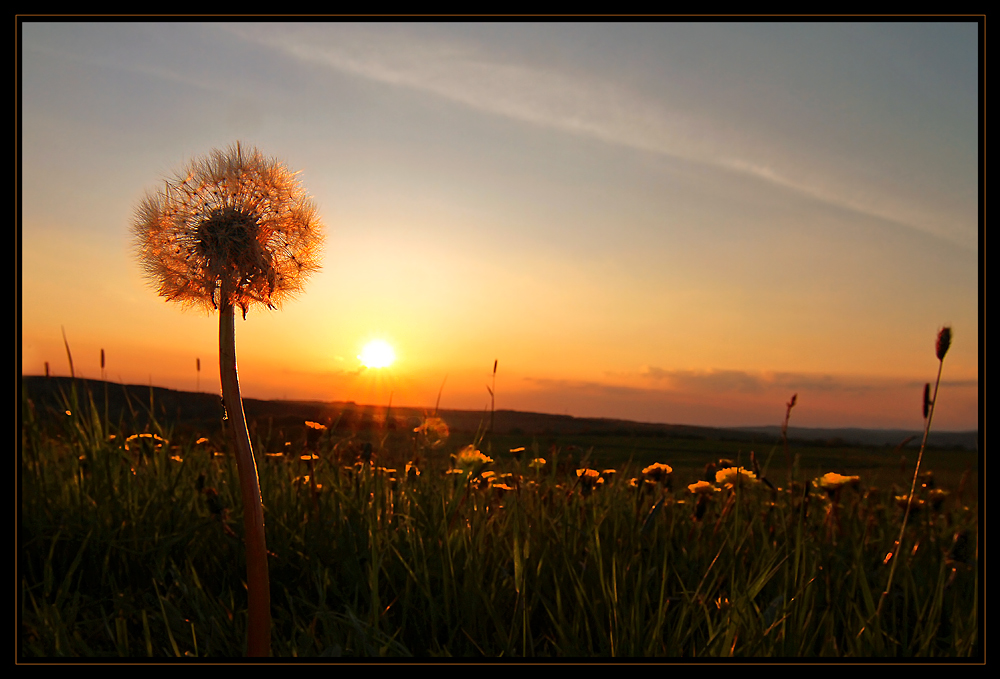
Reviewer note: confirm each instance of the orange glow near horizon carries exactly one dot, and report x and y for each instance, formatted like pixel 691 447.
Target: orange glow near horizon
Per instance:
pixel 708 398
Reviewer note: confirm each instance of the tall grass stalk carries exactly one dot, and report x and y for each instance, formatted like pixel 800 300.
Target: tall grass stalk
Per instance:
pixel 941 348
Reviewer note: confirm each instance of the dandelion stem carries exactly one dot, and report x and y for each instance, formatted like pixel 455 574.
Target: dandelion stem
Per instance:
pixel 258 582
pixel 232 231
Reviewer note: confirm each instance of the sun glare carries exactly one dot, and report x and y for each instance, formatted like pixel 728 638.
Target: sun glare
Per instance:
pixel 377 354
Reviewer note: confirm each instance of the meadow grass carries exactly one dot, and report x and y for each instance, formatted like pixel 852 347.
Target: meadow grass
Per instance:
pixel 131 546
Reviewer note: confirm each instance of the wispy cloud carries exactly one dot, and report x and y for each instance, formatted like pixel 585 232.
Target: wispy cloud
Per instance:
pixel 463 74
pixel 740 381
pixel 585 105
pixel 732 398
pixel 158 71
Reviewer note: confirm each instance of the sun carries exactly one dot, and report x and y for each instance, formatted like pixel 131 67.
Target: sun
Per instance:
pixel 377 354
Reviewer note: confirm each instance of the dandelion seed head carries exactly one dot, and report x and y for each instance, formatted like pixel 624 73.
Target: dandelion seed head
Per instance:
pixel 232 228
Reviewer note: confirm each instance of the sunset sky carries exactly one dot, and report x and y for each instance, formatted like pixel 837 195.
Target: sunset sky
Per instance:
pixel 665 222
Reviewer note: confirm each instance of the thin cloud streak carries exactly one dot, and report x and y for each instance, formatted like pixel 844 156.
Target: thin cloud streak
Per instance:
pixel 137 67
pixel 736 398
pixel 598 109
pixel 745 382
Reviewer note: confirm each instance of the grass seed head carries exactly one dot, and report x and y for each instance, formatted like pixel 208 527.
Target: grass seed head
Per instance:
pixel 943 342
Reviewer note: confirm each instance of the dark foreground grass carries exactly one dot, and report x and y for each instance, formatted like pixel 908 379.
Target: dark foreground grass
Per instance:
pixel 131 547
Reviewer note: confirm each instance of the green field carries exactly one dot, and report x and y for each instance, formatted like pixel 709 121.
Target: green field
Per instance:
pixel 130 545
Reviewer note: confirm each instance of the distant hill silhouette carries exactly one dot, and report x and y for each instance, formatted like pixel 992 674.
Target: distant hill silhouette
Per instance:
pixel 191 411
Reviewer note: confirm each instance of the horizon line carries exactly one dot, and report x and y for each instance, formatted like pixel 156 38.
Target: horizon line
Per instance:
pixel 977 430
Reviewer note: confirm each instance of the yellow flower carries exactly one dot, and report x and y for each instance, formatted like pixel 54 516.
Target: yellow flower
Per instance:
pixel 151 439
pixel 832 481
pixel 537 463
pixel 469 456
pixel 469 461
pixel 732 474
pixel 657 472
pixel 916 505
pixel 701 488
pixel 589 479
pixel 936 497
pixel 435 431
